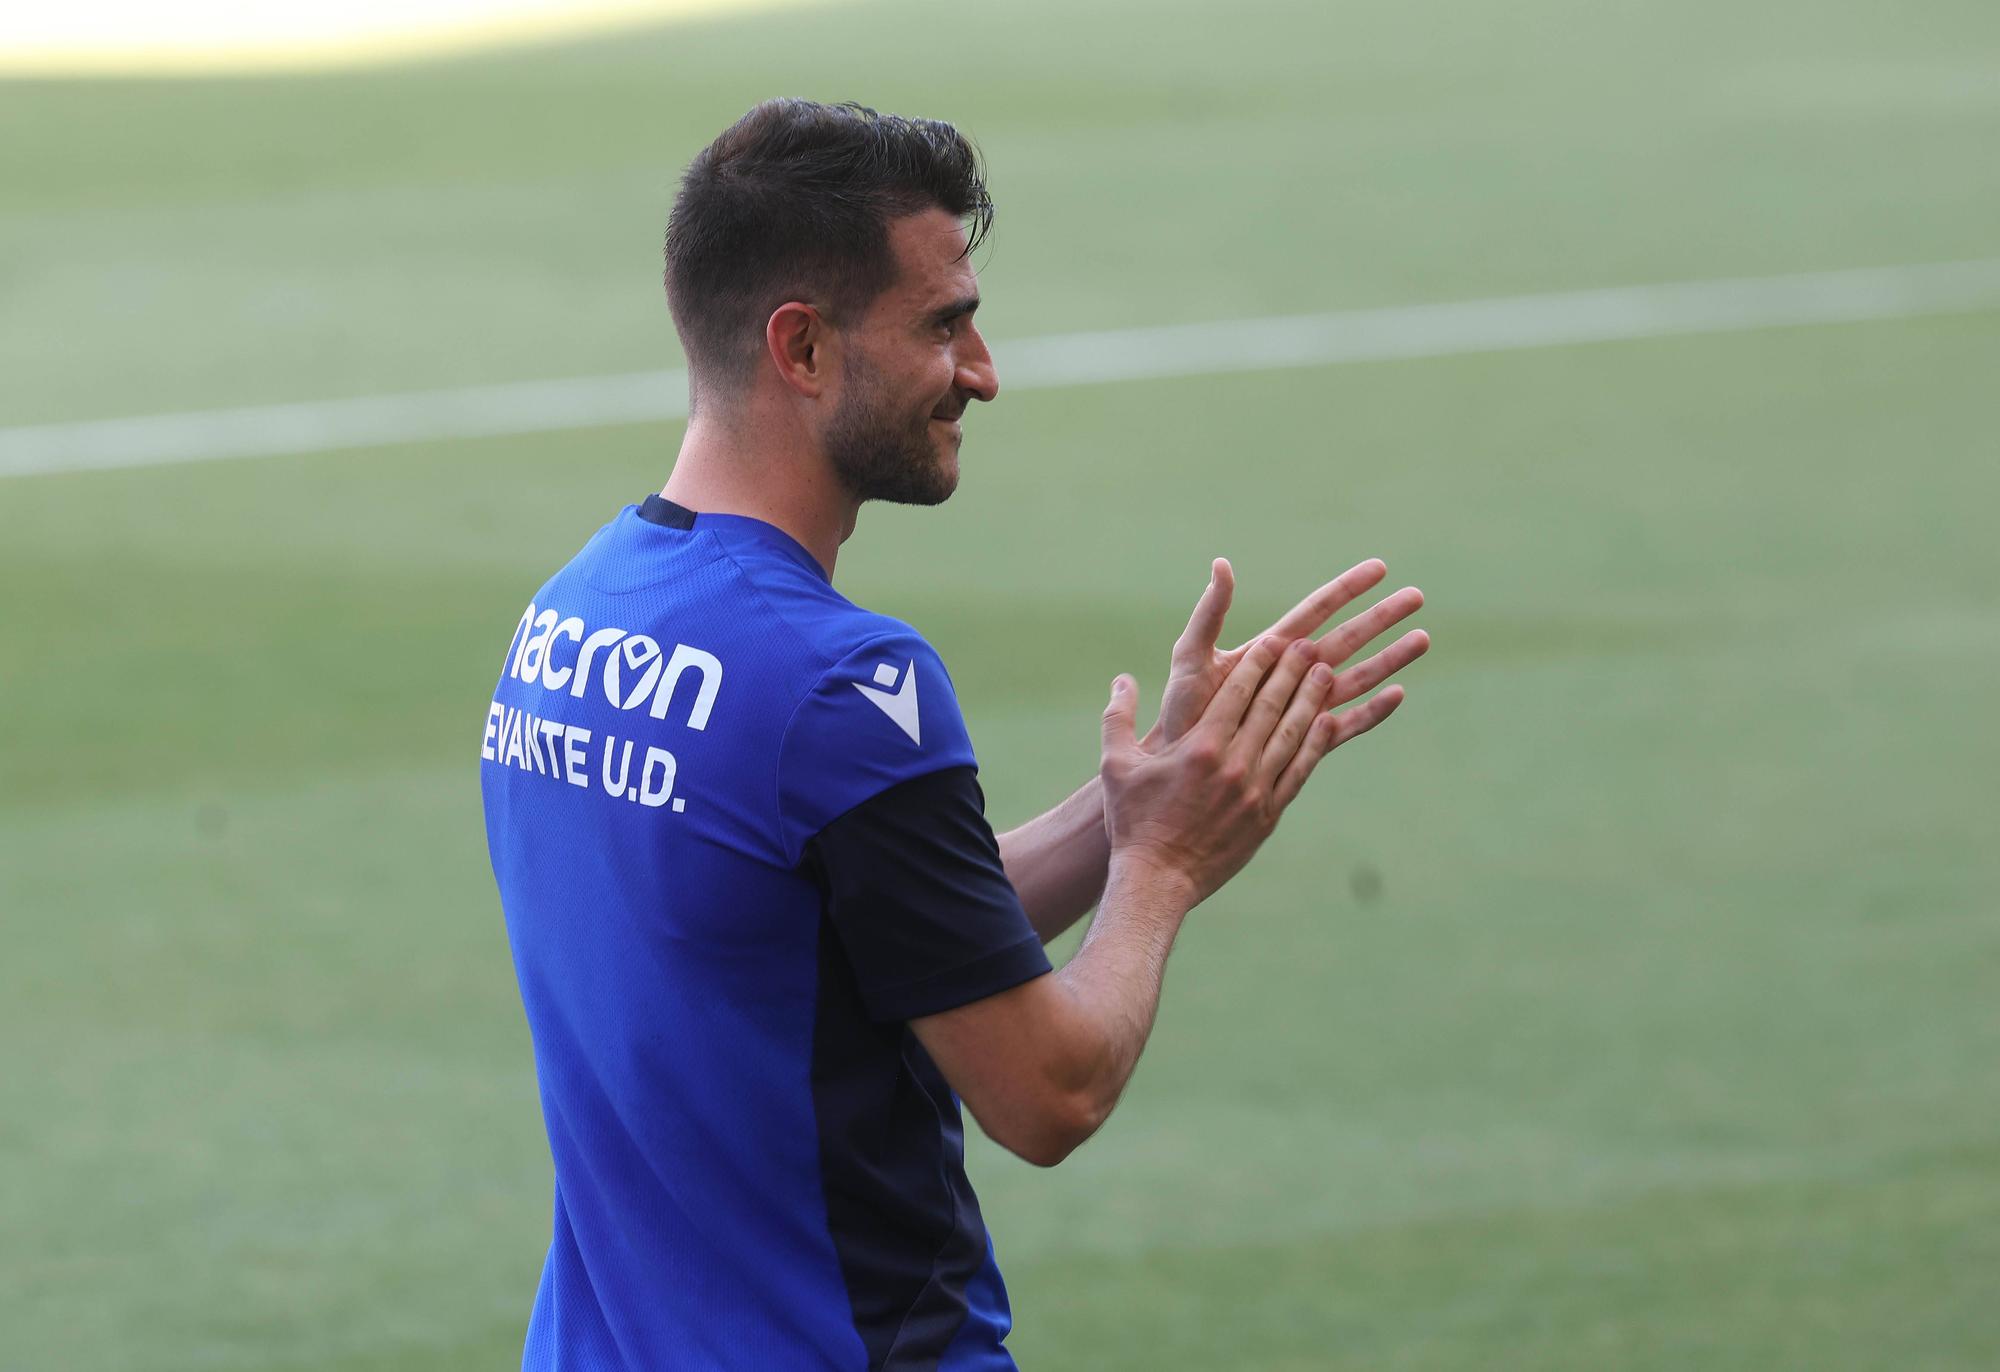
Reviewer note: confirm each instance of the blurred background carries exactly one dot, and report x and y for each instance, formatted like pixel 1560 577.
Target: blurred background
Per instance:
pixel 1629 1001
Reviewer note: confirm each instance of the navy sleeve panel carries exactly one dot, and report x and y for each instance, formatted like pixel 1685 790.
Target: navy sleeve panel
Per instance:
pixel 919 900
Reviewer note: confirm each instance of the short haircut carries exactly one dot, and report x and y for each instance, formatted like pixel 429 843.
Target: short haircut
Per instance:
pixel 794 202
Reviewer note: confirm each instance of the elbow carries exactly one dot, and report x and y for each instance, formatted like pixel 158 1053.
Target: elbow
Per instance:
pixel 1061 1087
pixel 1044 1155
pixel 1078 1090
pixel 1058 1129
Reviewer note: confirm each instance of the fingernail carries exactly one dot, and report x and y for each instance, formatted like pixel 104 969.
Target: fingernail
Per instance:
pixel 1322 674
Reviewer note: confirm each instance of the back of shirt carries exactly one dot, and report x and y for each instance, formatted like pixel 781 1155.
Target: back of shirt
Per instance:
pixel 756 1166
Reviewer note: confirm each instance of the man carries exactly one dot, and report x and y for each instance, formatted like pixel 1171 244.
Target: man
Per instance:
pixel 765 937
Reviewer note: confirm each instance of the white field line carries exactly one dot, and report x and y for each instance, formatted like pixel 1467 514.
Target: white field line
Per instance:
pixel 1078 359
pixel 145 37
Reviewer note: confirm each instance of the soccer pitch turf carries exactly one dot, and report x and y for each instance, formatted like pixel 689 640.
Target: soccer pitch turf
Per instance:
pixel 1629 1001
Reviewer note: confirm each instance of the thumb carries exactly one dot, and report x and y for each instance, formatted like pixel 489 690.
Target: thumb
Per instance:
pixel 1120 717
pixel 1204 626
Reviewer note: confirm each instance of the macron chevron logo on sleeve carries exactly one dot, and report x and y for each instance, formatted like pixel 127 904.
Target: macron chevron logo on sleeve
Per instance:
pixel 899 705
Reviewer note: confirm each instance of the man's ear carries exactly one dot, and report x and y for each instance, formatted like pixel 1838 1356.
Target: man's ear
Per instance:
pixel 798 340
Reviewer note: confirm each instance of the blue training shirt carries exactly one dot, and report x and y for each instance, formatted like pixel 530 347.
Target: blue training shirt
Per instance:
pixel 739 844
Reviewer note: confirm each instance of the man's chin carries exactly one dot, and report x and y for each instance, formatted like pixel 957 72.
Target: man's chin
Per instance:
pixel 938 483
pixel 925 475
pixel 934 492
pixel 947 473
pixel 940 490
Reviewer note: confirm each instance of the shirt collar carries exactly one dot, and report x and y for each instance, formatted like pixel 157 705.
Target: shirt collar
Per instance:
pixel 657 509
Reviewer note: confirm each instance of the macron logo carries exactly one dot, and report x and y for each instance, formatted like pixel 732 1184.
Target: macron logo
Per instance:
pixel 900 706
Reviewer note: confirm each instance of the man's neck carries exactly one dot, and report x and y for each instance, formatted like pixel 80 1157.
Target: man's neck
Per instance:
pixel 717 472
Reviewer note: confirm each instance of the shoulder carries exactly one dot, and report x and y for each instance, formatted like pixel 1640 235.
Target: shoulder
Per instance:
pixel 827 638
pixel 880 711
pixel 873 666
pixel 828 626
pixel 882 645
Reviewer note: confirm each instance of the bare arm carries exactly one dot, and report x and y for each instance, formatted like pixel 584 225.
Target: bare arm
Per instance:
pixel 1042 1065
pixel 1058 861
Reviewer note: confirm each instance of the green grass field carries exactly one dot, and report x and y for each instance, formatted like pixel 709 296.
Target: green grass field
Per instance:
pixel 1632 1000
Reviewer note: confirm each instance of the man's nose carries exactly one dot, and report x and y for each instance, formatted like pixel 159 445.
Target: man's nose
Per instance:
pixel 976 374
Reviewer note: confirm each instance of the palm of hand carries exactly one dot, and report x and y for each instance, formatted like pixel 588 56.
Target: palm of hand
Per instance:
pixel 1198 668
pixel 1193 678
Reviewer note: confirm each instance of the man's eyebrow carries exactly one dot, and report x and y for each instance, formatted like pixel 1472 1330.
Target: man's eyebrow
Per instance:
pixel 965 305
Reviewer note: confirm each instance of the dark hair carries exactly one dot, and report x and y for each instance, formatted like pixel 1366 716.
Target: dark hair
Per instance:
pixel 794 202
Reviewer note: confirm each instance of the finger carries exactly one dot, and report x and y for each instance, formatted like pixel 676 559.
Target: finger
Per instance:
pixel 1305 707
pixel 1318 740
pixel 1205 625
pixel 1347 640
pixel 1180 709
pixel 1194 652
pixel 1268 708
pixel 1308 616
pixel 1328 732
pixel 1120 718
pixel 1225 713
pixel 1353 723
pixel 1356 682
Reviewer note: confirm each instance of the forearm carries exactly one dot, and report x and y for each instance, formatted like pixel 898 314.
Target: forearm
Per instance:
pixel 1040 1066
pixel 1057 860
pixel 1114 982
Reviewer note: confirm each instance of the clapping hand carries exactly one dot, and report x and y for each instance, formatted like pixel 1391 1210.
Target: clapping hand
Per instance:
pixel 1198 668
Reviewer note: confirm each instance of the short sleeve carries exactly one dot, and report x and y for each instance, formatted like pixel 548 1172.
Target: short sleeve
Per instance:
pixel 920 902
pixel 881 715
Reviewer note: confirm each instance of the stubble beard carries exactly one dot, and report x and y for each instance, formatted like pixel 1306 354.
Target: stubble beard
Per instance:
pixel 878 454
